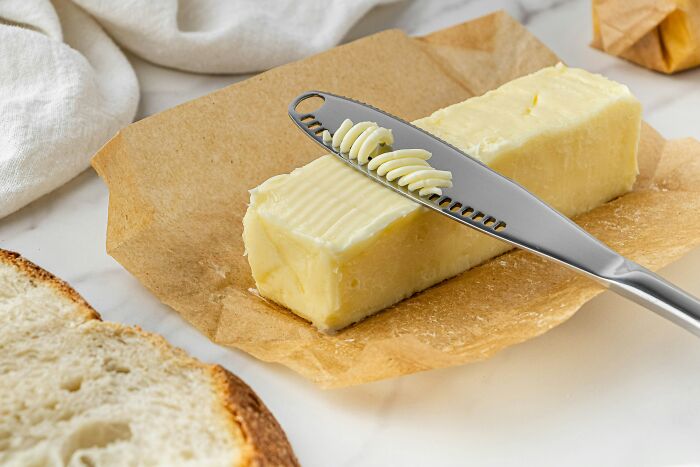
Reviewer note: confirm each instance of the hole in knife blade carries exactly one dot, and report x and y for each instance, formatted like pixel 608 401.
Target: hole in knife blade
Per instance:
pixel 489 221
pixel 478 216
pixel 500 226
pixel 445 202
pixel 467 211
pixel 456 207
pixel 309 104
pixel 306 118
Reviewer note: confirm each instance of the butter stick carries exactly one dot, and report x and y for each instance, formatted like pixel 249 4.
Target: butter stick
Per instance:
pixel 335 247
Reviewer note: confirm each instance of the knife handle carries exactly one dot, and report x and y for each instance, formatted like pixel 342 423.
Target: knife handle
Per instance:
pixel 650 290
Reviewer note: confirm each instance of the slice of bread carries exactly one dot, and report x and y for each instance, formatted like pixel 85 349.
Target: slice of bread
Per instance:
pixel 77 391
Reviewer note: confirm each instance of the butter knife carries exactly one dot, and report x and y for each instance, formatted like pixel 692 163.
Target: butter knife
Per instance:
pixel 497 206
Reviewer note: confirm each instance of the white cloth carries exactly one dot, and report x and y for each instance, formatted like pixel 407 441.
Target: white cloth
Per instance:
pixel 66 87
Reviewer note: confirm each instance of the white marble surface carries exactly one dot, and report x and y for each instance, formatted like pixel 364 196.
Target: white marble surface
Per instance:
pixel 615 385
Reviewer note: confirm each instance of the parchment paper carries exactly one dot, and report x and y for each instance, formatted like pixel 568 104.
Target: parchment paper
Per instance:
pixel 663 35
pixel 179 186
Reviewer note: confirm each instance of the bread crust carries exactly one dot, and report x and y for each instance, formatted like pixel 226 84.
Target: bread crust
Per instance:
pixel 263 433
pixel 265 442
pixel 37 274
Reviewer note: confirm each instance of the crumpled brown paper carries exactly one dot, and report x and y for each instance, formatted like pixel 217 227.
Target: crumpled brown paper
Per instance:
pixel 179 185
pixel 663 35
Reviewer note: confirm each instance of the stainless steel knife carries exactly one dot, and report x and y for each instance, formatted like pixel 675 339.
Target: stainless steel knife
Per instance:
pixel 497 206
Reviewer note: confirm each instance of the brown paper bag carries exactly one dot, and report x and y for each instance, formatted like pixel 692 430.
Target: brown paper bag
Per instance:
pixel 179 186
pixel 663 35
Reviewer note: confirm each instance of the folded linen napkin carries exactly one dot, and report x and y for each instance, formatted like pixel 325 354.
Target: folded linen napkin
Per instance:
pixel 66 87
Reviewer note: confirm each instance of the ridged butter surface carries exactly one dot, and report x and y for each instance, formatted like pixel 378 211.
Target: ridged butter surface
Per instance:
pixel 321 201
pixel 334 246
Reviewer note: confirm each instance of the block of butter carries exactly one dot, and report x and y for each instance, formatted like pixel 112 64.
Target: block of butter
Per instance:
pixel 334 247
